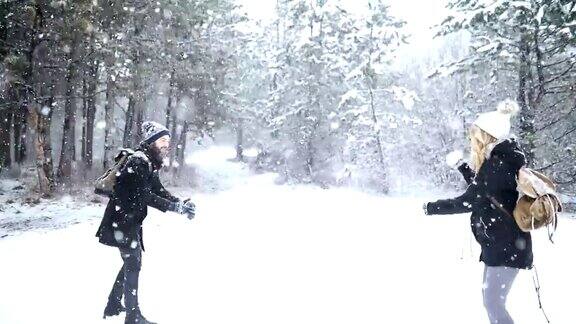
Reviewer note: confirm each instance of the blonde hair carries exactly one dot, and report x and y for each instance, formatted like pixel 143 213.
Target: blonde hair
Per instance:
pixel 479 141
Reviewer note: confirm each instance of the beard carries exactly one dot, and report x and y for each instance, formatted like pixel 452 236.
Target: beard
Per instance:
pixel 158 154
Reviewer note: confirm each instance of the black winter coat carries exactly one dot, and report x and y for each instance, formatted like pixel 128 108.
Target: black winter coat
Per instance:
pixel 501 240
pixel 137 187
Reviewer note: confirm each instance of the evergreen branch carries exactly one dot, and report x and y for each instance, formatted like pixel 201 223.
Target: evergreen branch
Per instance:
pixel 554 49
pixel 38 100
pixel 544 168
pixel 573 180
pixel 566 133
pixel 559 62
pixel 561 74
pixel 561 118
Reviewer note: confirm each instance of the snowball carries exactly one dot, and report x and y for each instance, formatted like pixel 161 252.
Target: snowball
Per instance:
pixel 454 158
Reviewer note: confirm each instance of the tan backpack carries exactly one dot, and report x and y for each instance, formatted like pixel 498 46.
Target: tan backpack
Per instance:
pixel 539 203
pixel 104 185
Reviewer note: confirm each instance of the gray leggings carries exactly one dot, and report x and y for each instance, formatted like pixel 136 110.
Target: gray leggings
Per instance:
pixel 497 284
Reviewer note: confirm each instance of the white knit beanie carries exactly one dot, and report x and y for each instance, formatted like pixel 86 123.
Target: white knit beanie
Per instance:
pixel 497 123
pixel 151 131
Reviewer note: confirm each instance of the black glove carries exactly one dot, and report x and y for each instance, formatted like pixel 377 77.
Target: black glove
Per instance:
pixel 185 207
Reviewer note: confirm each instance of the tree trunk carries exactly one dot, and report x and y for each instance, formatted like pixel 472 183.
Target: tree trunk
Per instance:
pixel 84 110
pixel 174 123
pixel 527 128
pixel 135 111
pixel 68 152
pixel 140 112
pixel 6 115
pixel 109 112
pixel 19 127
pixel 240 140
pixel 40 115
pixel 180 150
pixel 138 93
pixel 5 121
pixel 40 122
pixel 91 111
pixel 377 134
pixel 129 122
pixel 382 179
pixel 170 94
pixel 309 158
pixel 109 26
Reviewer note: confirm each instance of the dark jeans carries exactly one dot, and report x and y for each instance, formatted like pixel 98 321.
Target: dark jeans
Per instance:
pixel 127 279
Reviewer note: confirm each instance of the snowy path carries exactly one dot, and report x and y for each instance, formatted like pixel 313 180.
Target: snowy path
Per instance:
pixel 261 253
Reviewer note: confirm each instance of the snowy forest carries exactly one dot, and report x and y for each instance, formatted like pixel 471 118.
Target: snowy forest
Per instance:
pixel 338 100
pixel 316 90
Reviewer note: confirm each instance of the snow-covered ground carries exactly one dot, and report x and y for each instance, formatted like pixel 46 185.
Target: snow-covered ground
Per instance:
pixel 20 212
pixel 262 253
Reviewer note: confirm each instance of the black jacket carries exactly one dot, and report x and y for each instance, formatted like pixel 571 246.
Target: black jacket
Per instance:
pixel 501 240
pixel 137 187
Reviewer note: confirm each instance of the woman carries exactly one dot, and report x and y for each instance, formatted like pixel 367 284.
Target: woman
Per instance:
pixel 491 197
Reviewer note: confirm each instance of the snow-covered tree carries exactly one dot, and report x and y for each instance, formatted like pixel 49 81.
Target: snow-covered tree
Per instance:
pixel 532 43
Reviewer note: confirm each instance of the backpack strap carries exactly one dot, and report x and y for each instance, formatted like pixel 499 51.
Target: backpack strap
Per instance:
pixel 498 205
pixel 554 219
pixel 536 281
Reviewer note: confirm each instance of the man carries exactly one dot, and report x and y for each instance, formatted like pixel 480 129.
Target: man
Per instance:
pixel 137 187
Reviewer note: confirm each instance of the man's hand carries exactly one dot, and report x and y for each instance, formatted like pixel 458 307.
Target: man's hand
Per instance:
pixel 185 207
pixel 189 208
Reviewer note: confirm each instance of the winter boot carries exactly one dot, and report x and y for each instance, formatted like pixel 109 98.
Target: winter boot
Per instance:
pixel 113 308
pixel 137 318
